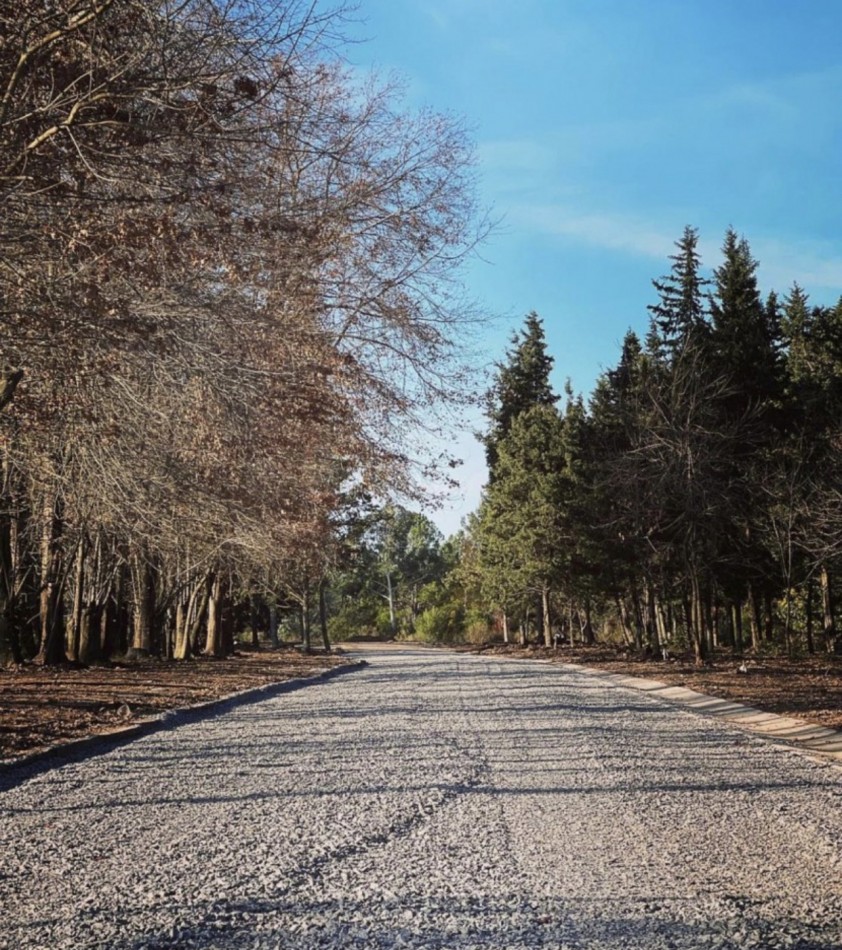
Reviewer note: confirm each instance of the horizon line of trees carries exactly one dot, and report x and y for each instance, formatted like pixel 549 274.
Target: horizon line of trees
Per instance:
pixel 229 294
pixel 695 500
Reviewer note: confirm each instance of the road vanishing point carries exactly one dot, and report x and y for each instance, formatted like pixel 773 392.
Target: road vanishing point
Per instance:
pixel 428 800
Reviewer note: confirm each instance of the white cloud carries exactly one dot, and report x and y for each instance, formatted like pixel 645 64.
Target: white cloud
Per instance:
pixel 610 231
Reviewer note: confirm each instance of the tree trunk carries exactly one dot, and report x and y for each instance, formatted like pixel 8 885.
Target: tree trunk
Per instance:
pixel 737 626
pixel 391 598
pixel 273 626
pixel 695 620
pixel 546 619
pixel 811 646
pixel 323 615
pixel 505 627
pixel 144 607
pixel 51 650
pixel 755 617
pixel 181 648
pixel 254 621
pixel 769 618
pixel 227 620
pixel 75 629
pixel 213 639
pixel 587 629
pixel 637 617
pixel 199 601
pixel 651 621
pixel 9 634
pixel 306 646
pixel 625 623
pixel 88 633
pixel 830 638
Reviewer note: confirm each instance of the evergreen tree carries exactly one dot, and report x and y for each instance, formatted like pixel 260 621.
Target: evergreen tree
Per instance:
pixel 682 312
pixel 522 382
pixel 746 334
pixel 524 516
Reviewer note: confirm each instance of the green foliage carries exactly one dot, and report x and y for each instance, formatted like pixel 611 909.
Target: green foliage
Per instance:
pixel 441 623
pixel 522 382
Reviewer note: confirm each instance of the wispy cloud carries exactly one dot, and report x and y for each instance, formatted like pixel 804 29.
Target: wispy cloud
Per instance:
pixel 609 231
pixel 816 265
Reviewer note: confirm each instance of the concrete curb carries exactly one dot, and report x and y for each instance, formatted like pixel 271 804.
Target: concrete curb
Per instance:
pixel 17 771
pixel 796 733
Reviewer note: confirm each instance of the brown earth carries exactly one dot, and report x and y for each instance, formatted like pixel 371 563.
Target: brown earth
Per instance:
pixel 44 707
pixel 808 688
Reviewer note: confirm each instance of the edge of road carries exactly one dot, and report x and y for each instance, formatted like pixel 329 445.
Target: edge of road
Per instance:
pixel 793 733
pixel 14 772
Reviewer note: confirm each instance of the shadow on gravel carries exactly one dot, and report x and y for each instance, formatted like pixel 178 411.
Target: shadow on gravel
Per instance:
pixel 13 774
pixel 511 921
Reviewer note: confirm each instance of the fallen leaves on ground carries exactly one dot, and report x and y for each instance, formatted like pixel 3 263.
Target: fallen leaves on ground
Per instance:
pixel 808 687
pixel 41 707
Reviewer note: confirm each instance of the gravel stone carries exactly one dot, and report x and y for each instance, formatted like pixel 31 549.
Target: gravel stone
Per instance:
pixel 430 800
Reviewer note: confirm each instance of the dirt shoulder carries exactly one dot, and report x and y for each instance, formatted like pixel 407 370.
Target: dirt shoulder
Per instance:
pixel 43 707
pixel 808 688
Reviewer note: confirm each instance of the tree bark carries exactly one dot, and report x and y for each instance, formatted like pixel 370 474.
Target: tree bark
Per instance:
pixel 755 617
pixel 181 647
pixel 546 618
pixel 9 634
pixel 811 646
pixel 144 607
pixel 390 596
pixel 830 637
pixel 51 650
pixel 323 615
pixel 213 639
pixel 737 625
pixel 306 645
pixel 75 631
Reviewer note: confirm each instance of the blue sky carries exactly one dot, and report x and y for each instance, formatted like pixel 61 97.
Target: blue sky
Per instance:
pixel 603 127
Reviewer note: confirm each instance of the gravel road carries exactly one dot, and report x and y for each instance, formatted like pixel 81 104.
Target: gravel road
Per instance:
pixel 430 800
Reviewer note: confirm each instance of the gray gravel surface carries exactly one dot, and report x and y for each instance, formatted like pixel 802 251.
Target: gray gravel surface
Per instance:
pixel 430 800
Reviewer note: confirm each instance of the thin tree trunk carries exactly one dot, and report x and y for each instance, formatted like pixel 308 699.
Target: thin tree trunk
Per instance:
pixel 637 615
pixel 75 630
pixel 9 634
pixel 323 614
pixel 391 598
pixel 52 603
pixel 306 646
pixel 755 617
pixel 811 646
pixel 546 619
pixel 587 630
pixel 254 622
pixel 273 626
pixel 505 627
pixel 830 638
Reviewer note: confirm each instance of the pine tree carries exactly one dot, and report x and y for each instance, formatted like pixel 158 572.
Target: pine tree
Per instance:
pixel 746 334
pixel 682 312
pixel 524 515
pixel 522 382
